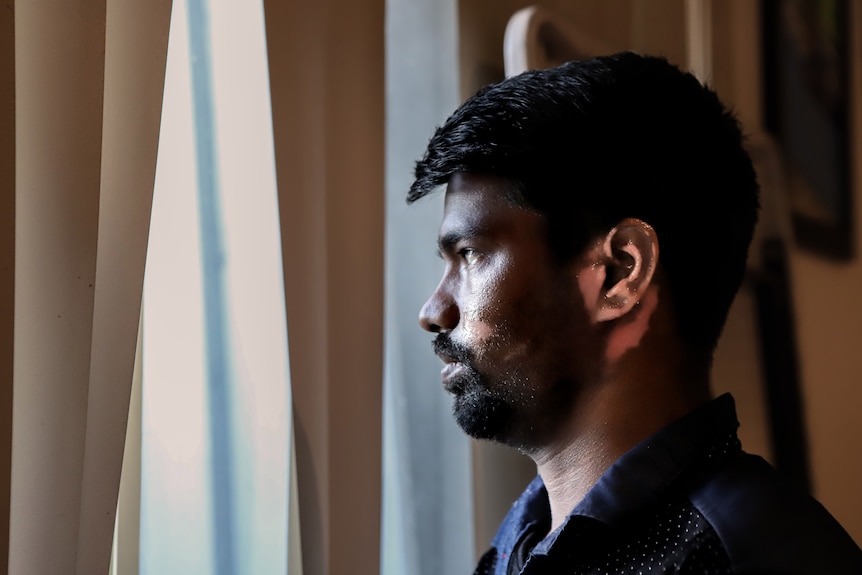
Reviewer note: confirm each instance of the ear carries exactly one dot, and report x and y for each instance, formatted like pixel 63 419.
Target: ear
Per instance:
pixel 629 255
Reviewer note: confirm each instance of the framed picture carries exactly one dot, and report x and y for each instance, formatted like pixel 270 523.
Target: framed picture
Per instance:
pixel 807 109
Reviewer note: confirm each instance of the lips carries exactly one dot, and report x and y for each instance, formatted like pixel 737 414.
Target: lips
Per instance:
pixel 456 359
pixel 450 370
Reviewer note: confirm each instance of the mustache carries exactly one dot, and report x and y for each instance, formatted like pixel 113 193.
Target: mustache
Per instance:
pixel 444 347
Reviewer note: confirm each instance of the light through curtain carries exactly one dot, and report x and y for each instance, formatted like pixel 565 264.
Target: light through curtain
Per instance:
pixel 428 514
pixel 216 409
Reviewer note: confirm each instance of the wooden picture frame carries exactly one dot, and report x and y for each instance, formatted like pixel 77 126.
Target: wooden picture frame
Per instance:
pixel 806 63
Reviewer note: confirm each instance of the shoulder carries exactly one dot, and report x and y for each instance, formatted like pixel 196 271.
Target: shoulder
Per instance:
pixel 767 526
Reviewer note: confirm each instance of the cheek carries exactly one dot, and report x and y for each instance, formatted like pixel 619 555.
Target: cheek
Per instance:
pixel 478 311
pixel 483 307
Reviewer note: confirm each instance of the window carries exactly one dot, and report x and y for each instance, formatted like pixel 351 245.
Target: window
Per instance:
pixel 215 416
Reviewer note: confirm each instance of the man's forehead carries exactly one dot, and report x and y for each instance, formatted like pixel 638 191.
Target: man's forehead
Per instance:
pixel 474 198
pixel 480 205
pixel 488 191
pixel 466 213
pixel 494 185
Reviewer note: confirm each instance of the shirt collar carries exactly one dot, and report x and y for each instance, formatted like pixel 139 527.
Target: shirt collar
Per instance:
pixel 635 480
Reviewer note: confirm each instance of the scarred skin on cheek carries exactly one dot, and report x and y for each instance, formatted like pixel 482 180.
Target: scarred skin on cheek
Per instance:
pixel 628 335
pixel 475 307
pixel 479 306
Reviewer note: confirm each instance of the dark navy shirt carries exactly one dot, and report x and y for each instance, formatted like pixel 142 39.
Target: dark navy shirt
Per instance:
pixel 687 500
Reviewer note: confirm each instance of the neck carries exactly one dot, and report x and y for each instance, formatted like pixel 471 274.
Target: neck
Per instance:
pixel 638 395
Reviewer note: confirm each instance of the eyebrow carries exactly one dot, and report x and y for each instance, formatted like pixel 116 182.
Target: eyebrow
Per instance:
pixel 447 242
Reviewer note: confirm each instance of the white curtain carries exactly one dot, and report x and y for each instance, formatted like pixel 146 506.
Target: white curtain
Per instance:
pixel 88 87
pixel 327 85
pixel 88 83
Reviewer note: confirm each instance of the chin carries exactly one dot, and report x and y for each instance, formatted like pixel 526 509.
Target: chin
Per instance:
pixel 483 416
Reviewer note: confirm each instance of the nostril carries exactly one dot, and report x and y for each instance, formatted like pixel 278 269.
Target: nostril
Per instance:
pixel 427 323
pixel 440 312
pixel 432 318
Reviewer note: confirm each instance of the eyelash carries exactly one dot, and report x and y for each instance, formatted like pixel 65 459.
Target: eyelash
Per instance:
pixel 464 254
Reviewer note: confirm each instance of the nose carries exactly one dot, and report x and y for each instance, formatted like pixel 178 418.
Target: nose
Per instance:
pixel 440 312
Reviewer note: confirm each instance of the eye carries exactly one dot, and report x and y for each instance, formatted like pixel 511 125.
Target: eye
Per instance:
pixel 469 255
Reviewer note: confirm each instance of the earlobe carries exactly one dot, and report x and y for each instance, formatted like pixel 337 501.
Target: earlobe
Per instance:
pixel 630 255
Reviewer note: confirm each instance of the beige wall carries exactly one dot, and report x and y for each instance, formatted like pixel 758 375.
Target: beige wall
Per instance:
pixel 827 308
pixel 7 261
pixel 654 26
pixel 829 316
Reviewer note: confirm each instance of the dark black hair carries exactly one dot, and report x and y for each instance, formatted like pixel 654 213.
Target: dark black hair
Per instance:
pixel 592 142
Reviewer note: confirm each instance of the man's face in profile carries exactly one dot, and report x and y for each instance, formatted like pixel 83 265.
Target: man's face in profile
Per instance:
pixel 510 321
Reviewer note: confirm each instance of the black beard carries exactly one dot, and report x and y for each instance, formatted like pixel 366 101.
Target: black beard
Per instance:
pixel 478 411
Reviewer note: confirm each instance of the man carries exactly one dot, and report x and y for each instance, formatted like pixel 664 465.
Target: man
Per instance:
pixel 595 231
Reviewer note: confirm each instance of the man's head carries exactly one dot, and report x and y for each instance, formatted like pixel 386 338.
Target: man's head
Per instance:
pixel 624 142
